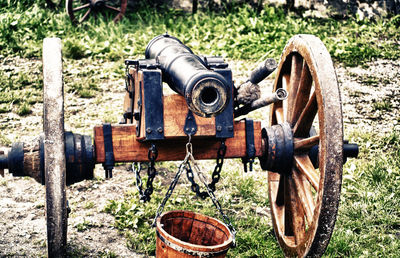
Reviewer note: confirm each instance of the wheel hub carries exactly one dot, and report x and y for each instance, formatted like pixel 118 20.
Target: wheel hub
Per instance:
pixel 278 141
pixel 96 5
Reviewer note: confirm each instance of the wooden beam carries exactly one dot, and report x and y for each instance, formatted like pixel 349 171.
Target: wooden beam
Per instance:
pixel 128 149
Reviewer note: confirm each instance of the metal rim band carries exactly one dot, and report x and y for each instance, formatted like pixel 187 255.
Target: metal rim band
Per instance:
pixel 190 252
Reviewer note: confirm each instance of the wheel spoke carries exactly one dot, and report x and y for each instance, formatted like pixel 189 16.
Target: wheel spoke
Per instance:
pixel 289 230
pixel 81 7
pixel 84 17
pixel 279 115
pixel 306 202
pixel 286 86
pixel 303 93
pixel 305 166
pixel 295 74
pixel 280 193
pixel 306 143
pixel 303 125
pixel 113 8
pixel 294 212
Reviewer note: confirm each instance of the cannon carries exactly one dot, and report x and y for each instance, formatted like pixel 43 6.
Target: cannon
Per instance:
pixel 302 148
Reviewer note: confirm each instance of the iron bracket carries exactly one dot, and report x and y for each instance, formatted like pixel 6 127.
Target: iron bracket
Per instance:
pixel 153 104
pixel 224 121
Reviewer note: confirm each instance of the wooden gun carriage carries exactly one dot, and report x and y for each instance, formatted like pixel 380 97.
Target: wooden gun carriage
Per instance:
pixel 302 148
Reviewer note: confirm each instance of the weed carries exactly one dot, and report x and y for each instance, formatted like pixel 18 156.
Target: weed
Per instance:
pixel 24 109
pixel 384 105
pixel 89 205
pixel 85 225
pixel 4 140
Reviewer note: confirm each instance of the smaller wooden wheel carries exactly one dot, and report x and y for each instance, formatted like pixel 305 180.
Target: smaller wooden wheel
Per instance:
pixel 305 145
pixel 80 10
pixel 54 3
pixel 54 148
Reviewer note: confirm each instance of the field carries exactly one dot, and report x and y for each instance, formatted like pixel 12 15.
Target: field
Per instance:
pixel 107 217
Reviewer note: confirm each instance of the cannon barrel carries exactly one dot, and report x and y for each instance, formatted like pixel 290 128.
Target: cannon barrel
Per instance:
pixel 206 92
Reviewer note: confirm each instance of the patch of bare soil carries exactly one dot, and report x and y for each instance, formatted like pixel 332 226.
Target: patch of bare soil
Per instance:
pixel 370 97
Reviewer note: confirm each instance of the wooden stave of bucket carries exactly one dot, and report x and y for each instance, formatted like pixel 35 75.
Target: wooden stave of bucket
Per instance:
pixel 170 246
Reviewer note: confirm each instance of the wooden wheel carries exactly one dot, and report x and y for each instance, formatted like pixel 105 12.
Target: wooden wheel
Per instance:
pixel 304 197
pixel 53 3
pixel 80 10
pixel 54 148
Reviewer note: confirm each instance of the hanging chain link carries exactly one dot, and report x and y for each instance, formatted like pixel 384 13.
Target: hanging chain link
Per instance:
pixel 151 173
pixel 214 199
pixel 171 188
pixel 216 175
pixel 185 165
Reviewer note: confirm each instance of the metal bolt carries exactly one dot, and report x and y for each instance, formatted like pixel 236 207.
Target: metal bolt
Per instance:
pixel 219 128
pixel 189 118
pixel 193 129
pixel 160 130
pixel 148 130
pixel 230 128
pixel 187 129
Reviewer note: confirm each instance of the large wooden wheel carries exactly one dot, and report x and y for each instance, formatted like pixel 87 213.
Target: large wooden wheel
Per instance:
pixel 80 10
pixel 304 197
pixel 54 148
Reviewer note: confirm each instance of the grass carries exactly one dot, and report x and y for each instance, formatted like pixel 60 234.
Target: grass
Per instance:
pixel 368 223
pixel 369 218
pixel 240 198
pixel 240 32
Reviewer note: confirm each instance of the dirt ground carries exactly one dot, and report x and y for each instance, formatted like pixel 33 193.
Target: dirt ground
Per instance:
pixel 370 97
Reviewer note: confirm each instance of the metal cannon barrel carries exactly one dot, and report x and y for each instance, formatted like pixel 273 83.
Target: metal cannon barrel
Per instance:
pixel 206 92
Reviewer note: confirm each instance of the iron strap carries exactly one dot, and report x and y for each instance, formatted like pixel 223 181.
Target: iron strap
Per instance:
pixel 188 251
pixel 108 150
pixel 250 146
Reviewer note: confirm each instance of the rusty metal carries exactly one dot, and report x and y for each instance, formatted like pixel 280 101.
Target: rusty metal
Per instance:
pixel 277 96
pixel 278 156
pixel 78 11
pixel 306 72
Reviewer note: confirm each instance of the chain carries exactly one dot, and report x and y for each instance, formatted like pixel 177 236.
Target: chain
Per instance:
pixel 214 199
pixel 171 188
pixel 151 173
pixel 185 165
pixel 216 175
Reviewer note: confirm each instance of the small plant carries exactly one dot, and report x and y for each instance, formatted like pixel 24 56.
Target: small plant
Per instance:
pixel 24 109
pixel 384 105
pixel 89 205
pixel 85 225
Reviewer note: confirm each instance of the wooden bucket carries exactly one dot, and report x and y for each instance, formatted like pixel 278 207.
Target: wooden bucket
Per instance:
pixel 189 234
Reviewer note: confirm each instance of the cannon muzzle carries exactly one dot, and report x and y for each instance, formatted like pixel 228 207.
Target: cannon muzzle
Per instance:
pixel 206 92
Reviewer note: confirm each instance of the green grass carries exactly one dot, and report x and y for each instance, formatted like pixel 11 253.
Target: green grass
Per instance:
pixel 241 33
pixel 368 222
pixel 240 198
pixel 369 218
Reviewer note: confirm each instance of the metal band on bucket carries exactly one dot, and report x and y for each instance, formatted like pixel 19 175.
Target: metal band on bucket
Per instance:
pixel 188 251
